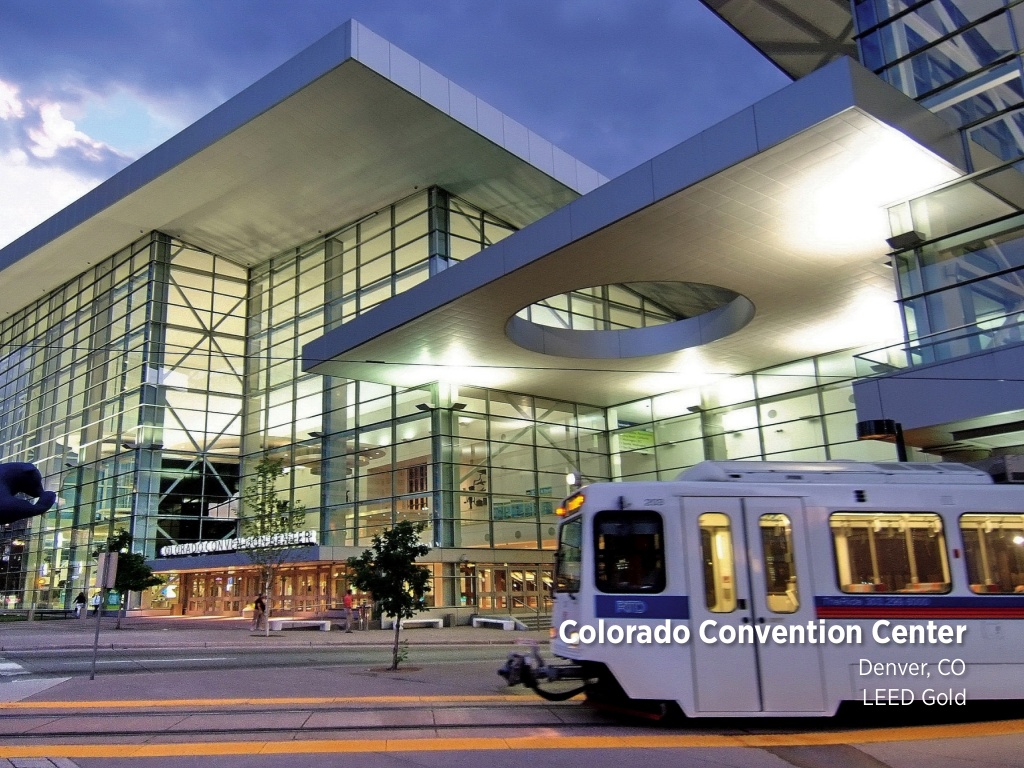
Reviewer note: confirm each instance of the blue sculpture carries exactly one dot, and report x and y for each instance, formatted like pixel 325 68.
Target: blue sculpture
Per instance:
pixel 20 477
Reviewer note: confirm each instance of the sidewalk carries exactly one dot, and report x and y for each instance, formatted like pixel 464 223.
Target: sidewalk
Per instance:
pixel 221 632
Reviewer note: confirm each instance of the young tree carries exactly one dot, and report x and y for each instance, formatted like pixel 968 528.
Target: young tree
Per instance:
pixel 133 575
pixel 389 572
pixel 265 518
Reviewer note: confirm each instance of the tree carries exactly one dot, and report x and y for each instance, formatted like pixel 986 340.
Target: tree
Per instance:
pixel 389 572
pixel 133 575
pixel 265 518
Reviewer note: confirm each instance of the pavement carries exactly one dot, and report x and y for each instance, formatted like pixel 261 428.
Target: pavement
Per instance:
pixel 354 716
pixel 229 632
pixel 131 697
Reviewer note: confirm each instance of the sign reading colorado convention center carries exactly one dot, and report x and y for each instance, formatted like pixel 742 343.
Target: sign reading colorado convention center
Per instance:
pixel 294 539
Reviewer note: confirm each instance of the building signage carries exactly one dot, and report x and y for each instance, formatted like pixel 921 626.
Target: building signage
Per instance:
pixel 294 539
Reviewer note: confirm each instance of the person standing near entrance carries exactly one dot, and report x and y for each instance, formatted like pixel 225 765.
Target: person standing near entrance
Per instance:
pixel 259 611
pixel 348 610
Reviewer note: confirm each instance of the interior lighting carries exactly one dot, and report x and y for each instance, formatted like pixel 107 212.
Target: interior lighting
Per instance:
pixel 869 318
pixel 845 196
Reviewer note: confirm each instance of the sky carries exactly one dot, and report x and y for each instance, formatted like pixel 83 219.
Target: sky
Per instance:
pixel 88 86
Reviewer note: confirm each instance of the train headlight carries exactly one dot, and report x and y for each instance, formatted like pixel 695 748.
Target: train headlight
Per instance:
pixel 570 505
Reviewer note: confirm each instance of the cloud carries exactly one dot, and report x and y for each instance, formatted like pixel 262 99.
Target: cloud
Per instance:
pixel 55 132
pixel 10 104
pixel 611 83
pixel 46 162
pixel 39 192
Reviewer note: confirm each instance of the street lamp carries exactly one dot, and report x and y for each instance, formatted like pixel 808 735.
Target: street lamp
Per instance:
pixel 884 429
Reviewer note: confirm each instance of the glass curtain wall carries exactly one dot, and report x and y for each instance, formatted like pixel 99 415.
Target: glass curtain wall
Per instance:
pixel 72 370
pixel 141 387
pixel 800 411
pixel 188 455
pixel 962 285
pixel 359 452
pixel 959 58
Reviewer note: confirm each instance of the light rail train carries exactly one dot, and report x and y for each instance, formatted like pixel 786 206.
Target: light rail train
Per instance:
pixel 785 589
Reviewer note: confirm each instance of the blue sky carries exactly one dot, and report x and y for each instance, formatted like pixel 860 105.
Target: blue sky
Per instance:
pixel 86 86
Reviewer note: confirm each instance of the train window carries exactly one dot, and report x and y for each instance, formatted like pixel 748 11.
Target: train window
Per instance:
pixel 994 552
pixel 567 558
pixel 719 565
pixel 890 552
pixel 779 568
pixel 629 552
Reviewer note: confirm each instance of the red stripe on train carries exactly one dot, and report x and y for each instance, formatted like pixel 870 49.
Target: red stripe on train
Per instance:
pixel 920 613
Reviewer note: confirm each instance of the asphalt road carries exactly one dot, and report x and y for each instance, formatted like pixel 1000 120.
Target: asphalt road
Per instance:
pixel 75 662
pixel 331 705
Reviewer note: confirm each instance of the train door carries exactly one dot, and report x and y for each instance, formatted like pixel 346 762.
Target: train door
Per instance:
pixel 752 572
pixel 791 673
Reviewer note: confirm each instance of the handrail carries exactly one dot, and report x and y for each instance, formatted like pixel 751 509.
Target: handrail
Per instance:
pixel 940 347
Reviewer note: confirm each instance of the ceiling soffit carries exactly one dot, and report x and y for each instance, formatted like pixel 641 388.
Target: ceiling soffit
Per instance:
pixel 343 129
pixel 779 225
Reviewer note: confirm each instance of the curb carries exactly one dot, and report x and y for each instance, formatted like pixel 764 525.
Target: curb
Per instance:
pixel 246 646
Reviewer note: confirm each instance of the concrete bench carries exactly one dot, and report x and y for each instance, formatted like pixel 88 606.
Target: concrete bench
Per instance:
pixel 437 623
pixel 507 624
pixel 279 624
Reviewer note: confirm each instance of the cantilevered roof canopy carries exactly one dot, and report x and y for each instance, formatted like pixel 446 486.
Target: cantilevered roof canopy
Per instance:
pixel 348 126
pixel 782 203
pixel 799 36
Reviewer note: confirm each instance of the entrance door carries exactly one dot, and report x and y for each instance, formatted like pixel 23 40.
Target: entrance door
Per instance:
pixel 493 591
pixel 514 589
pixel 753 571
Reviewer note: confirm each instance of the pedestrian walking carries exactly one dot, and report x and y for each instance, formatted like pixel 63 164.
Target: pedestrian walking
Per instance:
pixel 348 610
pixel 80 602
pixel 96 600
pixel 259 612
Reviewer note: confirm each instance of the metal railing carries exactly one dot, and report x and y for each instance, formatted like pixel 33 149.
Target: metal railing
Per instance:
pixel 940 347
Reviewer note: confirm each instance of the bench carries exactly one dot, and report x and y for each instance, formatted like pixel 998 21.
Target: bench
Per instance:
pixel 507 624
pixel 388 622
pixel 51 613
pixel 279 624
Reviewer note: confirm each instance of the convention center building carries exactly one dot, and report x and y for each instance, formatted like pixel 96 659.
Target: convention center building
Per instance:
pixel 428 312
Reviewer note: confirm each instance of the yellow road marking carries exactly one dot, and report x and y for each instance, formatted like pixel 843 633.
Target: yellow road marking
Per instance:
pixel 543 742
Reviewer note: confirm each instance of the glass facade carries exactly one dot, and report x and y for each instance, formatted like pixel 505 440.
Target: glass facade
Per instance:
pixel 148 387
pixel 73 373
pixel 961 284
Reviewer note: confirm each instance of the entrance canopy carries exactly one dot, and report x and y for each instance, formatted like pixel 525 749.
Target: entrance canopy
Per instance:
pixel 782 204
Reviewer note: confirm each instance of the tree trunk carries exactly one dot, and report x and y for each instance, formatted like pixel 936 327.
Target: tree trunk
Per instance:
pixel 394 648
pixel 268 601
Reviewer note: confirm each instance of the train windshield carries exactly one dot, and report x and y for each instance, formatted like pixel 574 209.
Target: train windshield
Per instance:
pixel 629 549
pixel 567 559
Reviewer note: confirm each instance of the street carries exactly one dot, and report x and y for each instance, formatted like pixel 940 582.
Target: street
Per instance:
pixel 186 694
pixel 78 661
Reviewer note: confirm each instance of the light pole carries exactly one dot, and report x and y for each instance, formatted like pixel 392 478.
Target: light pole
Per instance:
pixel 884 429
